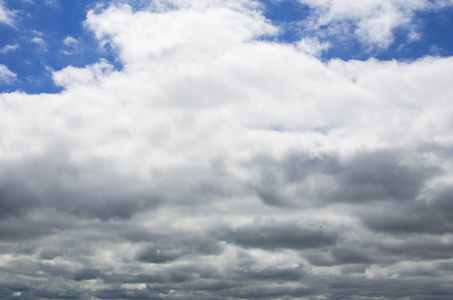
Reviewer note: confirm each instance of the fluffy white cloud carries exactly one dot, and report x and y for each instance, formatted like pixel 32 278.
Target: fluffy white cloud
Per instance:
pixel 71 76
pixel 214 158
pixel 145 36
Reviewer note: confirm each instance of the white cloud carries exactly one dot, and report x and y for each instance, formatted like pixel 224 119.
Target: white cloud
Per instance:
pixel 312 46
pixel 38 33
pixel 52 3
pixel 139 43
pixel 6 76
pixel 72 45
pixel 70 41
pixel 40 42
pixel 6 16
pixel 71 76
pixel 373 21
pixel 9 48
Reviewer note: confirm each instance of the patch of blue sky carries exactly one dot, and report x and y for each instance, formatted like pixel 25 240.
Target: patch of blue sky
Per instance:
pixel 47 35
pixel 287 15
pixel 435 30
pixel 285 11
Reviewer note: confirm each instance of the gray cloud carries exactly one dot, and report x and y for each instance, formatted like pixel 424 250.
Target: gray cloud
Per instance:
pixel 272 274
pixel 164 249
pixel 15 200
pixel 284 235
pixel 406 218
pixel 366 176
pixel 53 180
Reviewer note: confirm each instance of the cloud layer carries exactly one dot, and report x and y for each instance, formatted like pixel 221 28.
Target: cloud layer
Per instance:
pixel 219 165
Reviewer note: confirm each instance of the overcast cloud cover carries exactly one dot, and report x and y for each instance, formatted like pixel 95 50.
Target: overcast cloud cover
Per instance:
pixel 208 159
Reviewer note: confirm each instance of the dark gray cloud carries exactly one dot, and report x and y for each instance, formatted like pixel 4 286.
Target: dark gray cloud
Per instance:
pixel 95 188
pixel 298 179
pixel 272 274
pixel 356 255
pixel 381 176
pixel 441 202
pixel 90 190
pixel 350 255
pixel 164 249
pixel 406 218
pixel 67 231
pixel 275 235
pixel 16 200
pixel 429 213
pixel 421 247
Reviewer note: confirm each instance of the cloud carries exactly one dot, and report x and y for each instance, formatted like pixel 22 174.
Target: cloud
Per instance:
pixel 72 46
pixel 312 46
pixel 299 179
pixel 71 76
pixel 6 16
pixel 218 164
pixel 69 41
pixel 52 3
pixel 139 44
pixel 373 22
pixel 40 42
pixel 278 236
pixel 167 249
pixel 9 48
pixel 6 76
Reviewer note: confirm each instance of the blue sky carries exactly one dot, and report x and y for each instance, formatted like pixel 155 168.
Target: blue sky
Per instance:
pixel 54 21
pixel 210 149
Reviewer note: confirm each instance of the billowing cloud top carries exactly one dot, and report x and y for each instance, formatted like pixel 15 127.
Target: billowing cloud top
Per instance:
pixel 218 162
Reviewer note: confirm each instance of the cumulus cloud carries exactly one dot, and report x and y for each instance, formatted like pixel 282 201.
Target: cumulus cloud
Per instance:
pixel 71 76
pixel 218 164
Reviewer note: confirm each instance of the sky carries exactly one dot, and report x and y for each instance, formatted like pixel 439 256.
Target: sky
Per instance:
pixel 243 149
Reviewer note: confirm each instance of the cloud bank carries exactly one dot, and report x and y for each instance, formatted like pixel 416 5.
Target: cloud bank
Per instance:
pixel 220 165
